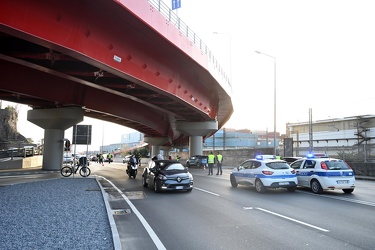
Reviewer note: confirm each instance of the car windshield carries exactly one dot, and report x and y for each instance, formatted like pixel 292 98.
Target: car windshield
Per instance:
pixel 173 166
pixel 277 165
pixel 336 165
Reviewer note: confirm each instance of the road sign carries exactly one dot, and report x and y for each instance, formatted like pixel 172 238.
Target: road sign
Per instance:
pixel 176 4
pixel 83 134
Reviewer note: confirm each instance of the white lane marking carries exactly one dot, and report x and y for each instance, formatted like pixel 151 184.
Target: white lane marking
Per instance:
pixel 6 176
pixel 206 191
pixel 291 219
pixel 350 200
pixel 145 224
pixel 112 223
pixel 344 199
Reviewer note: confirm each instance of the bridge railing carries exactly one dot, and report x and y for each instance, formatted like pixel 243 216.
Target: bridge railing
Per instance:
pixel 189 33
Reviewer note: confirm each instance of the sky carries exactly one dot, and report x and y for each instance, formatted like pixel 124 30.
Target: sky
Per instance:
pixel 324 52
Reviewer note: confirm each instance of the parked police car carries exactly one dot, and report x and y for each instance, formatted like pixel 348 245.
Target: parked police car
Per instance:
pixel 323 173
pixel 264 172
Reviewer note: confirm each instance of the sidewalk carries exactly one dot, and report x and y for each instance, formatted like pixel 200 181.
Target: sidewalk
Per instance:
pixel 56 213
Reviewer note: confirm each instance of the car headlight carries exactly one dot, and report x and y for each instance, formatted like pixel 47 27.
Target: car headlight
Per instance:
pixel 190 176
pixel 162 177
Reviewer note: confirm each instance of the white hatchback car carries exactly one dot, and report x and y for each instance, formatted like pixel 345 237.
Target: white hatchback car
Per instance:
pixel 324 173
pixel 264 173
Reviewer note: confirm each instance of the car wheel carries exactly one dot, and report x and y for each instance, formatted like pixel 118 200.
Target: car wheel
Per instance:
pixel 198 165
pixel 291 189
pixel 157 186
pixel 316 187
pixel 144 183
pixel 348 190
pixel 187 164
pixel 259 186
pixel 233 181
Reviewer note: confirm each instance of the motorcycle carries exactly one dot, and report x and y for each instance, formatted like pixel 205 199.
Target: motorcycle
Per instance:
pixel 132 169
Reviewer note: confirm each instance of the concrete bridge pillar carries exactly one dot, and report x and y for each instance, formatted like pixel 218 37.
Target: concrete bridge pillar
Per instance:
pixel 166 150
pixel 155 143
pixel 196 130
pixel 55 122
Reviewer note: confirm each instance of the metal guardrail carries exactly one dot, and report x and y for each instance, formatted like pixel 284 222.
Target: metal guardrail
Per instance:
pixel 189 33
pixel 17 152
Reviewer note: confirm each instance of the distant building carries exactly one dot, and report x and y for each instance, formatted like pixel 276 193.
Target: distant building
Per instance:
pixel 134 137
pixel 340 136
pixel 128 142
pixel 227 138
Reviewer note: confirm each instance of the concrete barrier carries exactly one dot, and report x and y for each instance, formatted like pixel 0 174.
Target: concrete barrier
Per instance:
pixel 19 162
pixel 363 168
pixel 32 162
pixel 16 163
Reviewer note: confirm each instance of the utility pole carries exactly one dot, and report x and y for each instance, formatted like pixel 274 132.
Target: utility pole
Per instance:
pixel 362 135
pixel 311 146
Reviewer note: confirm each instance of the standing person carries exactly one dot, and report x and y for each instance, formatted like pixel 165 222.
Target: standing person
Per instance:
pixel 101 159
pixel 109 157
pixel 211 162
pixel 219 159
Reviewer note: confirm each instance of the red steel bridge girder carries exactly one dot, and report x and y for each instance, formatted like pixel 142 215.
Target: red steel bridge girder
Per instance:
pixel 66 92
pixel 108 36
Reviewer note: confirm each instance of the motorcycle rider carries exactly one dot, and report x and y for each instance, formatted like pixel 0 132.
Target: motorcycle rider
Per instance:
pixel 132 161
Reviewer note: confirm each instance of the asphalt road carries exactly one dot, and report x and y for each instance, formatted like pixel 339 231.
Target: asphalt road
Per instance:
pixel 216 216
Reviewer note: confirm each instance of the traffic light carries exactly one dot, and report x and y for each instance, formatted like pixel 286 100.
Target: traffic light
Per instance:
pixel 67 145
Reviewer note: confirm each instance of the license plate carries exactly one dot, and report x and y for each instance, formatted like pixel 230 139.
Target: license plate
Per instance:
pixel 179 187
pixel 283 183
pixel 342 182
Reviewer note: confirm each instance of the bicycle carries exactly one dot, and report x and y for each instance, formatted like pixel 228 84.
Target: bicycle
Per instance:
pixel 67 171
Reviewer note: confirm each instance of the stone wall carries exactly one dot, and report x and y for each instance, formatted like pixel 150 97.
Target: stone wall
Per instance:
pixel 9 137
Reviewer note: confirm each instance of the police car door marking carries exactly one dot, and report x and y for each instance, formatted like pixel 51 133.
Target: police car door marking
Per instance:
pixel 291 219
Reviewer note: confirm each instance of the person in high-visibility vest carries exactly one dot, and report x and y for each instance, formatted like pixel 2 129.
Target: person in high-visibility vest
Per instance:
pixel 219 159
pixel 211 162
pixel 109 157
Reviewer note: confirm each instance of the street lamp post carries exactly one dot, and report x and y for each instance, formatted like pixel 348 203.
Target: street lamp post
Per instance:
pixel 274 102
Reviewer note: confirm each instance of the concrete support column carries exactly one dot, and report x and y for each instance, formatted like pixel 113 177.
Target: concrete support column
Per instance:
pixel 55 122
pixel 195 145
pixel 166 150
pixel 196 131
pixel 155 150
pixel 53 149
pixel 155 143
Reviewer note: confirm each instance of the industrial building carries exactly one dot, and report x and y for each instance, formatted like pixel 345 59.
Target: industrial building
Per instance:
pixel 347 138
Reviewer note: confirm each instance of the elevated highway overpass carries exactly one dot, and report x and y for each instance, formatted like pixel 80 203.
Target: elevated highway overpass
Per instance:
pixel 133 63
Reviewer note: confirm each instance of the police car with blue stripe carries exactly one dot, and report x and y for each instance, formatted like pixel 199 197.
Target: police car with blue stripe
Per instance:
pixel 319 172
pixel 265 171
